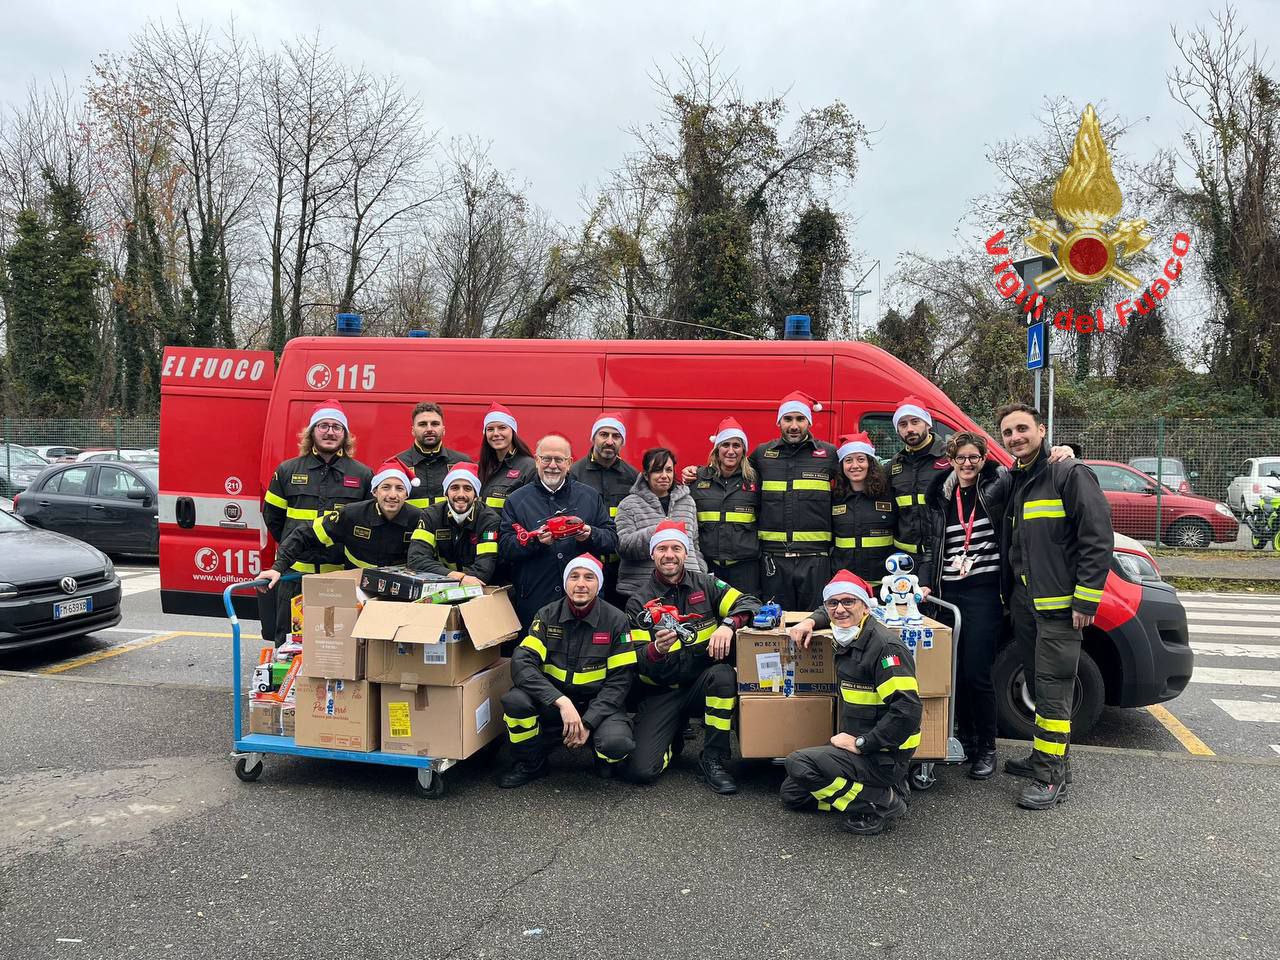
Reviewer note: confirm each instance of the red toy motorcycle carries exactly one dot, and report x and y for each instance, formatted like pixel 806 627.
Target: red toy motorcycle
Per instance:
pixel 560 528
pixel 662 616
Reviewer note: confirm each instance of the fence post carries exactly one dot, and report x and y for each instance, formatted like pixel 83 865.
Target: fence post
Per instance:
pixel 1159 475
pixel 117 436
pixel 8 456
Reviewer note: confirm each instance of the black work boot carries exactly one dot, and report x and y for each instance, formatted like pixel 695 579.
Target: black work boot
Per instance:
pixel 1021 767
pixel 604 769
pixel 984 764
pixel 714 775
pixel 878 818
pixel 1042 796
pixel 522 773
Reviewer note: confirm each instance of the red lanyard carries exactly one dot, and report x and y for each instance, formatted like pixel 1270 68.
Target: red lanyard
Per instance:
pixel 973 514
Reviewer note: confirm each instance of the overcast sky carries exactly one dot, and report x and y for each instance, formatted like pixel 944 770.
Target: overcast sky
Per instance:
pixel 555 85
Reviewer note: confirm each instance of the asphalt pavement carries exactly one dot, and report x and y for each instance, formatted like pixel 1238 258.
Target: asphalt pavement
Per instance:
pixel 123 832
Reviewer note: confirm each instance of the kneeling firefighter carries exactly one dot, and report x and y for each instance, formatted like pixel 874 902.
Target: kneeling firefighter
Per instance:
pixel 685 676
pixel 862 772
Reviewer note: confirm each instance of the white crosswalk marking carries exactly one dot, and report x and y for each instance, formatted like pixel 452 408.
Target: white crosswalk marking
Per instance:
pixel 1242 631
pixel 1242 608
pixel 1260 651
pixel 141 584
pixel 1251 711
pixel 1276 747
pixel 1228 677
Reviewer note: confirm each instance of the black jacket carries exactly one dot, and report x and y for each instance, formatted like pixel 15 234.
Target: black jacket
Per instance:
pixel 588 659
pixel 360 534
pixel 698 593
pixel 795 495
pixel 879 695
pixel 727 510
pixel 1056 533
pixel 994 484
pixel 910 473
pixel 302 489
pixel 613 484
pixel 512 474
pixel 430 470
pixel 864 529
pixel 536 569
pixel 441 545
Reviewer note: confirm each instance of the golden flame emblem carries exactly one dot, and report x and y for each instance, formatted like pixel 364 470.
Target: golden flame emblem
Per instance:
pixel 1088 197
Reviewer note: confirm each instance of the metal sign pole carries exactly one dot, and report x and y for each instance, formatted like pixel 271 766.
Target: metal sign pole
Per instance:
pixel 1037 401
pixel 1050 430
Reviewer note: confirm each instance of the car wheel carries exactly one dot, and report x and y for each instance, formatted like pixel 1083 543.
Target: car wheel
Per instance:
pixel 1190 532
pixel 1015 709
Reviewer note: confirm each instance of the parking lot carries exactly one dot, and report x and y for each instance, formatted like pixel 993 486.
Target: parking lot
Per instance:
pixel 123 832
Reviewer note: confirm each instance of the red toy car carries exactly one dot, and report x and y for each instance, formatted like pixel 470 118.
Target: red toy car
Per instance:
pixel 560 528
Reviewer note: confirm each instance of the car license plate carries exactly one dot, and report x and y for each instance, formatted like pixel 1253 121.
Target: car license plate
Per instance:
pixel 71 608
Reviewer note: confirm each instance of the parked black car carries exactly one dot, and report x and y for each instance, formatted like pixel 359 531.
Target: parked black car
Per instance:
pixel 51 587
pixel 110 505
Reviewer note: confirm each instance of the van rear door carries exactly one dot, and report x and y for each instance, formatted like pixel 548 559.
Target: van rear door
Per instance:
pixel 213 408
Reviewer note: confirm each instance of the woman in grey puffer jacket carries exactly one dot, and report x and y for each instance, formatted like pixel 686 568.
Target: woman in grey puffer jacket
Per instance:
pixel 655 496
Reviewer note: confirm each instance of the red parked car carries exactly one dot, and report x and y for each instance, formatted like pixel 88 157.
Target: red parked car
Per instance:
pixel 1185 520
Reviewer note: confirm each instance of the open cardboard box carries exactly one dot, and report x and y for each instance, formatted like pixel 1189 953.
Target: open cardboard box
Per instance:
pixel 434 644
pixel 452 722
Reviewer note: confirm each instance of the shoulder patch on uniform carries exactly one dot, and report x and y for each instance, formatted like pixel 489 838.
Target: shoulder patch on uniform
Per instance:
pixel 512 474
pixel 364 533
pixel 298 478
pixel 896 468
pixel 839 509
pixel 941 464
pixel 820 452
pixel 697 596
pixel 771 454
pixel 884 505
pixel 489 535
pixel 721 585
pixel 893 660
pixel 703 484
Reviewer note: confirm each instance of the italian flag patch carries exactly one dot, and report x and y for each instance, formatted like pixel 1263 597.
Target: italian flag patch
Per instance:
pixel 894 661
pixel 490 535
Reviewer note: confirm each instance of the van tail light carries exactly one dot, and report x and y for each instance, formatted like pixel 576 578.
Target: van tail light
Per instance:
pixel 15 501
pixel 1257 488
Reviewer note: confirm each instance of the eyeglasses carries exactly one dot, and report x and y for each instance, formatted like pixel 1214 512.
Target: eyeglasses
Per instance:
pixel 547 461
pixel 326 426
pixel 968 458
pixel 835 603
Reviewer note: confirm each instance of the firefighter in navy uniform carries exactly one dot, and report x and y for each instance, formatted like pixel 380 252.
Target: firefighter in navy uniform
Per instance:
pixel 506 462
pixel 796 473
pixel 429 459
pixel 457 539
pixel 570 679
pixel 683 677
pixel 324 475
pixel 727 494
pixel 371 533
pixel 913 468
pixel 864 518
pixel 862 771
pixel 609 475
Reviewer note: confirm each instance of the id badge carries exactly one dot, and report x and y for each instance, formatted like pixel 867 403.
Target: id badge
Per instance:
pixel 966 564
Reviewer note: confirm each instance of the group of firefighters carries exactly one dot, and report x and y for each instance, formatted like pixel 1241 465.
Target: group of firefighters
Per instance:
pixel 624 673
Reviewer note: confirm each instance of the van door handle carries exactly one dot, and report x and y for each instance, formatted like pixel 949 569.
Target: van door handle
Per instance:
pixel 184 511
pixel 43 503
pixel 97 506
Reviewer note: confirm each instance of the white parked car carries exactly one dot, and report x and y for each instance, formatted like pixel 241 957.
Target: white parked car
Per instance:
pixel 58 452
pixel 1258 477
pixel 127 455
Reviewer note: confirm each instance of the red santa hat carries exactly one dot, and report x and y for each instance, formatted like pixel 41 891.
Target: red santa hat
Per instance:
pixel 728 430
pixel 393 468
pixel 463 471
pixel 670 530
pixel 500 414
pixel 798 402
pixel 609 419
pixel 846 583
pixel 855 443
pixel 582 562
pixel 912 407
pixel 328 410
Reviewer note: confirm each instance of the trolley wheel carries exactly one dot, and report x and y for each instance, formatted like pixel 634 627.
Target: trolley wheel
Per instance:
pixel 247 773
pixel 1259 543
pixel 921 776
pixel 429 784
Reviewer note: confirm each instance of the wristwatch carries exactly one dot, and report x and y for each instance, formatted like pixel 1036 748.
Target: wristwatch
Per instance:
pixel 728 622
pixel 860 742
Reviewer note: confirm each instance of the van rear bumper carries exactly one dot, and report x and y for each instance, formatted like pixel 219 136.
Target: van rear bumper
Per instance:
pixel 193 603
pixel 1154 649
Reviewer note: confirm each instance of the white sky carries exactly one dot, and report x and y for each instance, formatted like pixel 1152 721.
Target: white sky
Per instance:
pixel 554 85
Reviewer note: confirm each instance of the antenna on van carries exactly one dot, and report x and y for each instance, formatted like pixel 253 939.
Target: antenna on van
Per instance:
pixel 687 323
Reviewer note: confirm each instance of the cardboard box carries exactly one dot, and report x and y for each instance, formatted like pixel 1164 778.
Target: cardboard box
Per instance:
pixel 430 644
pixel 288 712
pixel 264 717
pixel 330 648
pixel 337 714
pixel 336 589
pixel 452 722
pixel 932 647
pixel 397 583
pixel 295 617
pixel 770 726
pixel 762 653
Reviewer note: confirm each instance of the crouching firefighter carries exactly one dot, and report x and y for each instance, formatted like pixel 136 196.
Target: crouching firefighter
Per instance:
pixel 457 539
pixel 371 533
pixel 681 663
pixel 862 772
pixel 570 679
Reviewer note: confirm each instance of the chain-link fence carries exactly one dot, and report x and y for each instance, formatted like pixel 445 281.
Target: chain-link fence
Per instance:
pixel 1212 472
pixel 31 445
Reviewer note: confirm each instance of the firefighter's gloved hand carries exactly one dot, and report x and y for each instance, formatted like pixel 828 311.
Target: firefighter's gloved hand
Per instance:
pixel 663 640
pixel 718 645
pixel 272 577
pixel 584 534
pixel 802 632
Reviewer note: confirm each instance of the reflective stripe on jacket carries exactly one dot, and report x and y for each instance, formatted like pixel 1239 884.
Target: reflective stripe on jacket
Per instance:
pixel 727 511
pixel 358 532
pixel 795 495
pixel 302 489
pixel 441 545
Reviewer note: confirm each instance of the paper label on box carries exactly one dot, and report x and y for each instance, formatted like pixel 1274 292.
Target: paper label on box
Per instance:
pixel 768 667
pixel 434 653
pixel 398 715
pixel 482 716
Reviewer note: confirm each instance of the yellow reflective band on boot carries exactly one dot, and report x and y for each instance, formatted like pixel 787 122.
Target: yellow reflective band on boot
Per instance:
pixel 317 525
pixel 897 685
pixel 537 646
pixel 1049 747
pixel 866 698
pixel 1053 726
pixel 276 500
pixel 832 793
pixel 426 536
pixel 625 659
pixel 299 513
pixel 520 729
pixel 911 742
pixel 1088 594
pixel 1043 509
pixel 609 759
pixel 720 723
pixel 1052 603
pixel 823 805
pixel 731 596
pixel 356 560
pixel 721 703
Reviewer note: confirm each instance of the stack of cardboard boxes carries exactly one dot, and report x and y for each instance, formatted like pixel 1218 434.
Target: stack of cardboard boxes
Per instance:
pixel 273 685
pixel 788 697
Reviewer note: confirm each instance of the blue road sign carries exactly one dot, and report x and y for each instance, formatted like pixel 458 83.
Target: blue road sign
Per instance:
pixel 1037 346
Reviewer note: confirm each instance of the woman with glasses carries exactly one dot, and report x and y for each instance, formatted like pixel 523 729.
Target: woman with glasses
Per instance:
pixel 655 496
pixel 864 518
pixel 964 504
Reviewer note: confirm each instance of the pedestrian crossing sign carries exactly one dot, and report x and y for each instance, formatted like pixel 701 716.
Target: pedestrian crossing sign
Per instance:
pixel 1037 346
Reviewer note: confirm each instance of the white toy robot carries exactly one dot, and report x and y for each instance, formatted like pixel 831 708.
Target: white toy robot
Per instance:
pixel 901 586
